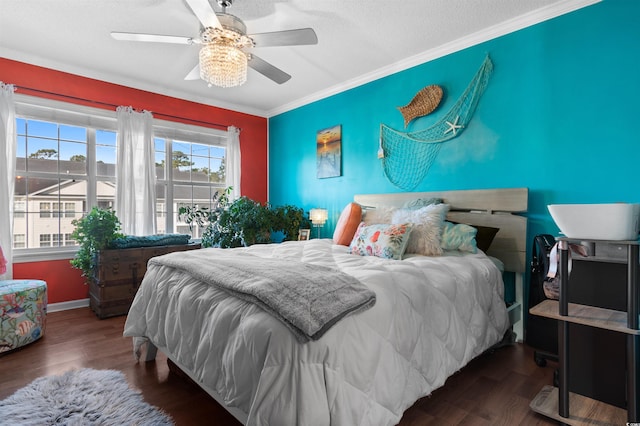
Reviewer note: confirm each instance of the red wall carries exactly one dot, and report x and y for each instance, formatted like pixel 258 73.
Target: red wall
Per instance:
pixel 65 283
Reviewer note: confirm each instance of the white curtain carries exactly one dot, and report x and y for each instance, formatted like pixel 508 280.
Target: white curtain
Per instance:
pixel 233 162
pixel 7 178
pixel 136 174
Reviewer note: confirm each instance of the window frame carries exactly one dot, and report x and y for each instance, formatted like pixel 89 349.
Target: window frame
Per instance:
pixel 95 119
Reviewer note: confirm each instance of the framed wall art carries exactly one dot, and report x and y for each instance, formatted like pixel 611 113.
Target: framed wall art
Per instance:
pixel 329 152
pixel 304 234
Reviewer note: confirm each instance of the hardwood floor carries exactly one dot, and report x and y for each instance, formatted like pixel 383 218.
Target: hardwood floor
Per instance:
pixel 494 389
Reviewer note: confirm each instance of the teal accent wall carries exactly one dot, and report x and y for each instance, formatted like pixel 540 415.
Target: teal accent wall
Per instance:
pixel 559 116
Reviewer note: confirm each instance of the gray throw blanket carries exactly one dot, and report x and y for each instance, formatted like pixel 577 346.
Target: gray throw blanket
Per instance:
pixel 307 298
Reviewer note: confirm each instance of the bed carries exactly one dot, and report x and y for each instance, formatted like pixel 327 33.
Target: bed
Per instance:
pixel 432 315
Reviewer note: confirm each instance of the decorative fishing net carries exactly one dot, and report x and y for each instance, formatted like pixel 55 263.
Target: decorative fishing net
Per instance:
pixel 407 157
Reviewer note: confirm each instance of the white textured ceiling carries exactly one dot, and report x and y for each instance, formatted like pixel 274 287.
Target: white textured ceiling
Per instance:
pixel 358 41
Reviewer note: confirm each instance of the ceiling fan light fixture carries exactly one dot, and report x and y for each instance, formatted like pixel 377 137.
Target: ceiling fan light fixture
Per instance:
pixel 223 65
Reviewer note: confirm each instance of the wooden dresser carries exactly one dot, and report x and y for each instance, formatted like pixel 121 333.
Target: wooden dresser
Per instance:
pixel 119 274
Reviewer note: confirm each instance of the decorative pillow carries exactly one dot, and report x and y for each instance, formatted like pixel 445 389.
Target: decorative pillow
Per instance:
pixel 378 215
pixel 421 202
pixel 428 223
pixel 381 240
pixel 347 225
pixel 484 237
pixel 459 237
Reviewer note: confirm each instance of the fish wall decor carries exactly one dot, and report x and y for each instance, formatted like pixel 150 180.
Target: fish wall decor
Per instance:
pixel 423 103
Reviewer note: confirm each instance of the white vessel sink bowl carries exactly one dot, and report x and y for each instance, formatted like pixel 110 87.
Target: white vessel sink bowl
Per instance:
pixel 615 221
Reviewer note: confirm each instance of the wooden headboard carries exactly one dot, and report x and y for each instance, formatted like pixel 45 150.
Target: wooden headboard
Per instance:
pixel 485 207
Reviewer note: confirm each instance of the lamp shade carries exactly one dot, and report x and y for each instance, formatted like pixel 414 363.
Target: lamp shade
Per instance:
pixel 318 216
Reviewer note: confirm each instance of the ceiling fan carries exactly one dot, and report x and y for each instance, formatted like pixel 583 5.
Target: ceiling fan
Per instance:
pixel 224 55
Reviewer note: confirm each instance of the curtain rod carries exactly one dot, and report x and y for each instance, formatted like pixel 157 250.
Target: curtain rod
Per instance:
pixel 158 114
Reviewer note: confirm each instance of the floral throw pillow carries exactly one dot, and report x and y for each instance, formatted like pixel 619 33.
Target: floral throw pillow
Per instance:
pixel 381 240
pixel 459 237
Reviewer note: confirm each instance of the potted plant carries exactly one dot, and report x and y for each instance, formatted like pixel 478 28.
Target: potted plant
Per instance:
pixel 289 220
pixel 94 232
pixel 243 222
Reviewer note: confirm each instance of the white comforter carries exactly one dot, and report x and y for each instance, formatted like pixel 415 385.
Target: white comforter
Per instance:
pixel 432 316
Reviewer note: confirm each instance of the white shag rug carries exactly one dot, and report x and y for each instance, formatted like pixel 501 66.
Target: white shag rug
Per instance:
pixel 80 397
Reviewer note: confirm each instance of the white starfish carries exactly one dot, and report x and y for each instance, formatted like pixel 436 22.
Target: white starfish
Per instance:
pixel 453 127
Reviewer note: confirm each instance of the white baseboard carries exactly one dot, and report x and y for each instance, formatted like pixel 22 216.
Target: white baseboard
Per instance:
pixel 65 306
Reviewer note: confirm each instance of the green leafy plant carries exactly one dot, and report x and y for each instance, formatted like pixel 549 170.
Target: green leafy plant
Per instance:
pixel 94 232
pixel 289 219
pixel 243 222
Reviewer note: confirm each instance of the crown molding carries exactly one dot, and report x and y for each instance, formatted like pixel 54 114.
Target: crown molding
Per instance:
pixel 512 25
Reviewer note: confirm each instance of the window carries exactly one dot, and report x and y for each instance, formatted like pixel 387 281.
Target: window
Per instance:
pixel 69 241
pixel 190 170
pixel 45 210
pixel 53 179
pixel 70 210
pixel 45 240
pixel 18 241
pixel 19 209
pixel 66 164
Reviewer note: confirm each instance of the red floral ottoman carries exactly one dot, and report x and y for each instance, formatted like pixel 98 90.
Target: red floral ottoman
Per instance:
pixel 23 312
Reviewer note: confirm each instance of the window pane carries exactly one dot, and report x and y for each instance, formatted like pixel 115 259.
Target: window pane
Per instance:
pixel 73 158
pixel 73 133
pixel 182 195
pixel 218 151
pixel 42 155
pixel 200 169
pixel 21 153
pixel 161 154
pixel 21 126
pixel 42 128
pixel 199 149
pixel 202 196
pixel 106 194
pixel 161 208
pixel 181 161
pixel 217 174
pixel 106 153
pixel 20 198
pixel 160 163
pixel 159 144
pixel 106 137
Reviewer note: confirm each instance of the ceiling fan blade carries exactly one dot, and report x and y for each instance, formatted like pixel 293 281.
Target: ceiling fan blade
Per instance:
pixel 300 36
pixel 205 14
pixel 194 74
pixel 156 38
pixel 268 70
